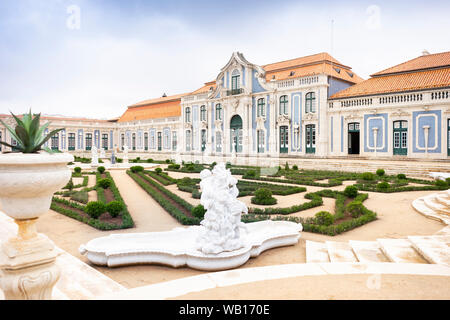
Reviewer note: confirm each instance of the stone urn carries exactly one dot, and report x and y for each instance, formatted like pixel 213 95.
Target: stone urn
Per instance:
pixel 27 184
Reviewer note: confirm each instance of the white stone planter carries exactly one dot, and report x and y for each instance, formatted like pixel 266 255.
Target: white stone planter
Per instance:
pixel 28 181
pixel 27 184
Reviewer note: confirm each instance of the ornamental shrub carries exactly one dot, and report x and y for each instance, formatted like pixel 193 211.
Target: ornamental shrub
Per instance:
pixel 136 169
pixel 351 191
pixel 174 166
pixel 114 208
pixel 198 211
pixel 190 167
pixel 368 176
pixel 250 174
pixel 150 160
pixel 355 208
pixel 286 166
pixel 95 209
pixel 380 172
pixel 185 181
pixel 158 170
pixel 324 218
pixel 168 161
pixel 383 185
pixel 104 183
pixel 294 167
pixel 448 181
pixel 401 176
pixel 263 196
pixel 101 169
pixel 77 170
pixel 213 165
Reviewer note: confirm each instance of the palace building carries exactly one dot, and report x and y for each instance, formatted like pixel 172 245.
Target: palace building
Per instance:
pixel 308 107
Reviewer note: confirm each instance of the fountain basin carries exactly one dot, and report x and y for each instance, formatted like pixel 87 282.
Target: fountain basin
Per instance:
pixel 177 248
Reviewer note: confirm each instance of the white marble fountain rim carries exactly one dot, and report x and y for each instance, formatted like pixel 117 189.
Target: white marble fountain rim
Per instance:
pixel 109 247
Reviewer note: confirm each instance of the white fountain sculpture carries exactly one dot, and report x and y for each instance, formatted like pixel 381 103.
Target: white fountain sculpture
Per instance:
pixel 222 220
pixel 217 244
pixel 125 154
pixel 94 154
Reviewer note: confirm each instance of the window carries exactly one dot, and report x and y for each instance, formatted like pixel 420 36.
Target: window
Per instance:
pixel 88 141
pixel 188 140
pixel 202 113
pixel 14 144
pixel 105 141
pixel 218 112
pixel 122 140
pixel 235 80
pixel 188 114
pixel 261 108
pixel 218 142
pixel 203 140
pixel 174 141
pixel 133 141
pixel 71 141
pixel 284 105
pixel 0 140
pixel 145 140
pixel 310 102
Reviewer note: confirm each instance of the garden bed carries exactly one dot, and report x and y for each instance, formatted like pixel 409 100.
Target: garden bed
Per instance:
pixel 76 208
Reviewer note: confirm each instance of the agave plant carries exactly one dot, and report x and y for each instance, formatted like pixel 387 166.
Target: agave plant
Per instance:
pixel 29 134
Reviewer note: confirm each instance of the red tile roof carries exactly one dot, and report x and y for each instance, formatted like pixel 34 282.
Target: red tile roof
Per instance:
pixel 321 63
pixel 427 61
pixel 400 82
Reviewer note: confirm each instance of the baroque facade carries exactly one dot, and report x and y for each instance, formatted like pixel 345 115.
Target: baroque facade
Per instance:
pixel 307 107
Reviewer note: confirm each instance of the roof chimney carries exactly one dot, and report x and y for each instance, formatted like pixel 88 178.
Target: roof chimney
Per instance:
pixel 164 95
pixel 425 52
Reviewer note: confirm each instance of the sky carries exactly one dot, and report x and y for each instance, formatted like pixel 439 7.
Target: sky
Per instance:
pixel 93 58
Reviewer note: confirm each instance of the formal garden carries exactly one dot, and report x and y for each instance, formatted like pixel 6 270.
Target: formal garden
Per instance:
pixel 107 212
pixel 262 184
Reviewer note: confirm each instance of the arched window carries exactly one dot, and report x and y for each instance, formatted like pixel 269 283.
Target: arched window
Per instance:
pixel 105 141
pixel 188 114
pixel 122 140
pixel 88 141
pixel 218 112
pixel 145 140
pixel 203 113
pixel 261 108
pixel 235 80
pixel 284 105
pixel 310 102
pixel 55 141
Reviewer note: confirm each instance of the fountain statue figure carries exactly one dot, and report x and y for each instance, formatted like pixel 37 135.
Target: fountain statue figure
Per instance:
pixel 94 154
pixel 222 221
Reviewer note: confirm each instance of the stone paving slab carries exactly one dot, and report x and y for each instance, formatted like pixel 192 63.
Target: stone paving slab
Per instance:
pixel 340 252
pixel 400 251
pixel 316 252
pixel 368 251
pixel 436 249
